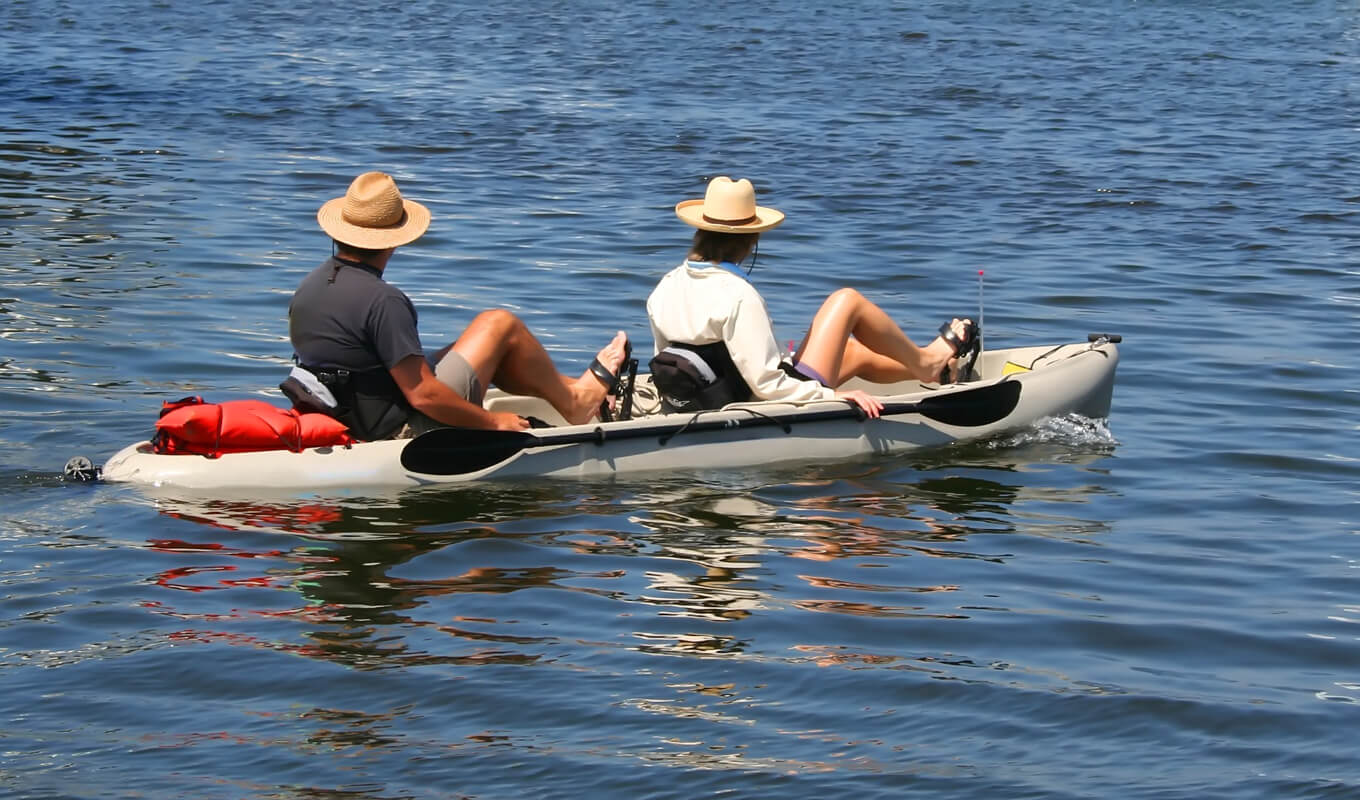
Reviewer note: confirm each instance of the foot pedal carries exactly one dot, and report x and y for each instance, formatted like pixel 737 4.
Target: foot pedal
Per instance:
pixel 626 390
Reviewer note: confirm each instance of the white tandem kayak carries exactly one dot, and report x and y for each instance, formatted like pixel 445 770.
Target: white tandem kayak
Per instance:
pixel 1013 389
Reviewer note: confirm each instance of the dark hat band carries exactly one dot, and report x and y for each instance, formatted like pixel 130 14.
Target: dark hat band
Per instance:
pixel 733 222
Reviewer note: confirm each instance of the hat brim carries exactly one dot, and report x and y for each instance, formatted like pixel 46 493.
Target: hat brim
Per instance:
pixel 415 221
pixel 691 212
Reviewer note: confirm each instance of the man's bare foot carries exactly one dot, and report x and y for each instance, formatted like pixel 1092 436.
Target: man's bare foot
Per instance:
pixel 589 390
pixel 940 353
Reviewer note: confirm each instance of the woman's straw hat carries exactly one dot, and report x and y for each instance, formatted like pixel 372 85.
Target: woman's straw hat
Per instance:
pixel 730 207
pixel 372 215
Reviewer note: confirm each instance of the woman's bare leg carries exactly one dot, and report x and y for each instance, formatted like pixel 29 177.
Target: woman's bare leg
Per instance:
pixel 505 353
pixel 879 351
pixel 861 362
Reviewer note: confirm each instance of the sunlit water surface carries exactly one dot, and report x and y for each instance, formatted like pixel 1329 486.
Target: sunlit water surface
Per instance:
pixel 1162 604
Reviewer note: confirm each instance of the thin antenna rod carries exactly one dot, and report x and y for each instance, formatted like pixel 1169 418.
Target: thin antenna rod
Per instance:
pixel 980 326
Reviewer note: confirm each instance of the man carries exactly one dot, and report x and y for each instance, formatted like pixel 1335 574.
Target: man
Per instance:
pixel 357 334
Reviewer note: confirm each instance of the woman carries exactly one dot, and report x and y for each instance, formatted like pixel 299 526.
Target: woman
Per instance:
pixel 707 300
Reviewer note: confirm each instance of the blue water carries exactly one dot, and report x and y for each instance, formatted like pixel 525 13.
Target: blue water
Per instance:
pixel 1163 604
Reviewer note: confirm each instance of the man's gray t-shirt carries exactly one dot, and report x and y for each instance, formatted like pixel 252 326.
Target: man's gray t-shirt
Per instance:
pixel 345 316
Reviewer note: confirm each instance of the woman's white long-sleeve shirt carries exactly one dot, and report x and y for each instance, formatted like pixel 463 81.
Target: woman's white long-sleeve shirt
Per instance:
pixel 698 303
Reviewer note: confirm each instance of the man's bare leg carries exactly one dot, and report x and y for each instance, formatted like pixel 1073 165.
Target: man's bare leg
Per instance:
pixel 505 353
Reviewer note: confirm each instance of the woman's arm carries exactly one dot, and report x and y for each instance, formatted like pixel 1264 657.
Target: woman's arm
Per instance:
pixel 751 343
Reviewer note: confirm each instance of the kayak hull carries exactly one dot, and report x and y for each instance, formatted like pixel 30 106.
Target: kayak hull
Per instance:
pixel 1045 381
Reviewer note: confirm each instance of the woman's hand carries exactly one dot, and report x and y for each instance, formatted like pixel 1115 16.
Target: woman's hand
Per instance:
pixel 870 405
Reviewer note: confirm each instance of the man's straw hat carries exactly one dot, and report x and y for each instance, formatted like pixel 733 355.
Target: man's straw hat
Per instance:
pixel 372 215
pixel 730 207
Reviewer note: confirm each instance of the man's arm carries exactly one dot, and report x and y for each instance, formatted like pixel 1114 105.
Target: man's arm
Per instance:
pixel 428 395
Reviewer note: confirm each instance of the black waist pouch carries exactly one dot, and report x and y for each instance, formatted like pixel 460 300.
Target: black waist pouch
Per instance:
pixel 697 378
pixel 369 402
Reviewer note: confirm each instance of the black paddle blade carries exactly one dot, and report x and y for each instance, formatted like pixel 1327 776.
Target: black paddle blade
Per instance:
pixel 458 451
pixel 973 408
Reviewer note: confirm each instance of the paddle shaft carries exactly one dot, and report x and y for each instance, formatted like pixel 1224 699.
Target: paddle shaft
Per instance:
pixel 756 420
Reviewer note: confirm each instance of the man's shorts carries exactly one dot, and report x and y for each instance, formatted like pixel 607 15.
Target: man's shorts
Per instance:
pixel 456 373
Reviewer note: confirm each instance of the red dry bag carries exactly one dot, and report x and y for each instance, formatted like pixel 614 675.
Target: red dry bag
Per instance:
pixel 241 426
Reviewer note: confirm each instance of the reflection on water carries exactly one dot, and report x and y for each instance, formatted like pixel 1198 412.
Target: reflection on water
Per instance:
pixel 414 577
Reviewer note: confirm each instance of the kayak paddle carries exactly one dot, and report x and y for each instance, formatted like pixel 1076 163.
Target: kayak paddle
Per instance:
pixel 458 451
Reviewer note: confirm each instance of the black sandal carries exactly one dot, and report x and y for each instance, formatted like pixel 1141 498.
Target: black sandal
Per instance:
pixel 965 350
pixel 611 379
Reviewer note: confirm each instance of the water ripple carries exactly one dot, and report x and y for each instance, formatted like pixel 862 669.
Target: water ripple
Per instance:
pixel 1040 615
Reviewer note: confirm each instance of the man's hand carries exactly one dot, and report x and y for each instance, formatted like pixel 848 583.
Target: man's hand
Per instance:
pixel 871 405
pixel 505 421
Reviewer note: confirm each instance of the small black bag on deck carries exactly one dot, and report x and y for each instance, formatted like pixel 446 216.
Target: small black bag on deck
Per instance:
pixel 369 402
pixel 697 378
